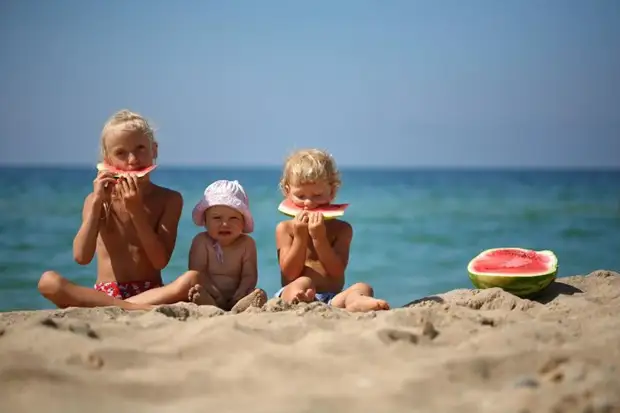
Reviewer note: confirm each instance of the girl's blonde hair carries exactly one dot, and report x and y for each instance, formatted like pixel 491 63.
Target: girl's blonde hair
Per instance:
pixel 126 121
pixel 309 166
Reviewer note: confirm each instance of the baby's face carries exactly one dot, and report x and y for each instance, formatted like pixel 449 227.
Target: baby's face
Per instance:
pixel 224 224
pixel 311 194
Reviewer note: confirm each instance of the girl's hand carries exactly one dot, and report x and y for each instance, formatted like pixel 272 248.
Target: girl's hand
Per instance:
pixel 102 186
pixel 131 195
pixel 316 226
pixel 300 224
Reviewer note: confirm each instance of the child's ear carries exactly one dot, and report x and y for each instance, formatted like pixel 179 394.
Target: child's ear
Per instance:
pixel 155 148
pixel 285 189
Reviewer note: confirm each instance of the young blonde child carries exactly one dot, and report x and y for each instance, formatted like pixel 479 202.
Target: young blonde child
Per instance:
pixel 225 255
pixel 313 253
pixel 129 223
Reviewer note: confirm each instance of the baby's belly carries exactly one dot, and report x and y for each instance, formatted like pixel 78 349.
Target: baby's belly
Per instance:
pixel 225 283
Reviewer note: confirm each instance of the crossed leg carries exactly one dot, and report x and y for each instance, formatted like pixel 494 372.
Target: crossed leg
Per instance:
pixel 176 291
pixel 63 293
pixel 300 290
pixel 192 287
pixel 357 298
pixel 199 295
pixel 187 287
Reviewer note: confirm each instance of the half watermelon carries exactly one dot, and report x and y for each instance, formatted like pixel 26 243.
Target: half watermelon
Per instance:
pixel 102 166
pixel 287 207
pixel 519 271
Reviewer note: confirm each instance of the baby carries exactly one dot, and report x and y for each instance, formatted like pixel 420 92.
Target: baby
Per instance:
pixel 224 255
pixel 313 253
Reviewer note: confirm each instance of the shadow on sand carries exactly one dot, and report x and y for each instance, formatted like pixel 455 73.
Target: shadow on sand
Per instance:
pixel 432 298
pixel 555 289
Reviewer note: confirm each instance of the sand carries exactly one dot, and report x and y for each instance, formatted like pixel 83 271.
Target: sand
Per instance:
pixel 462 351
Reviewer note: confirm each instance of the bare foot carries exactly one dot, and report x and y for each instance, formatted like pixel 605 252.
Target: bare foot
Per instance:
pixel 304 296
pixel 256 298
pixel 364 303
pixel 199 296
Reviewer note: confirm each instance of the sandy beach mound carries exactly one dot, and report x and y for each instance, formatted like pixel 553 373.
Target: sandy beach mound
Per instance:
pixel 462 351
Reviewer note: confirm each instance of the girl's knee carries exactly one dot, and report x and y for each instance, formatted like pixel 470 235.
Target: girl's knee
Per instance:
pixel 291 290
pixel 192 277
pixel 301 283
pixel 362 288
pixel 187 280
pixel 50 283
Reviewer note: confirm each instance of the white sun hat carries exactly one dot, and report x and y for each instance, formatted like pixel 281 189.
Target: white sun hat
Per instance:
pixel 227 193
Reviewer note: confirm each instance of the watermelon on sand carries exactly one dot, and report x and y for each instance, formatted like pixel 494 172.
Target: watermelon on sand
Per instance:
pixel 102 166
pixel 519 271
pixel 287 207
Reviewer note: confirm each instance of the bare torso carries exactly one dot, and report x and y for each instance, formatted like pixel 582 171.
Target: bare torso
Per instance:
pixel 225 275
pixel 313 268
pixel 120 256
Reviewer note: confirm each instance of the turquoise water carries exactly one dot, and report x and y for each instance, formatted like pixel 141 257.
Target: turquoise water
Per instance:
pixel 415 230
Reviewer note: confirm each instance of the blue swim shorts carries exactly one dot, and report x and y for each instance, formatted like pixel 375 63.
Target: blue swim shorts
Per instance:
pixel 325 298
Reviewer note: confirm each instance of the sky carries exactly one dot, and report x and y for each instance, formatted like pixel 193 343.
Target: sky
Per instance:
pixel 438 83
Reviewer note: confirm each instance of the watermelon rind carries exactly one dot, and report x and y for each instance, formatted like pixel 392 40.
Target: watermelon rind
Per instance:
pixel 101 166
pixel 521 285
pixel 291 212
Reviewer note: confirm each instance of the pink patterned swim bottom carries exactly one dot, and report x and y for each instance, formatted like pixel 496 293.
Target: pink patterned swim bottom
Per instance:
pixel 124 290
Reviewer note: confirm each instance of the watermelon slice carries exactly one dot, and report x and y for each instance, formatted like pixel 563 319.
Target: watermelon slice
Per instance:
pixel 102 166
pixel 287 207
pixel 519 271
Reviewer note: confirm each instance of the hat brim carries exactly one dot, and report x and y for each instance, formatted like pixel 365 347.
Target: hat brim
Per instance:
pixel 198 213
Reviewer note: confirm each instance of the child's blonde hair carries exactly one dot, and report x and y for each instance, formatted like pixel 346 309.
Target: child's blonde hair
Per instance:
pixel 309 166
pixel 128 121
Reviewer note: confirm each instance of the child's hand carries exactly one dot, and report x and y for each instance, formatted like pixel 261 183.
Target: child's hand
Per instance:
pixel 130 192
pixel 221 302
pixel 300 224
pixel 238 296
pixel 102 186
pixel 213 291
pixel 316 226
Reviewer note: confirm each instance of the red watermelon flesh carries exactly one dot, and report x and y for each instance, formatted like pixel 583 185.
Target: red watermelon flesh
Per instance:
pixel 511 261
pixel 287 207
pixel 102 166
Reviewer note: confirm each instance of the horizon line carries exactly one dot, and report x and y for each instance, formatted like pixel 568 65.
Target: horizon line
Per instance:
pixel 177 166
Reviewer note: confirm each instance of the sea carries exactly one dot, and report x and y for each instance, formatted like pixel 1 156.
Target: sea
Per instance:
pixel 415 230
